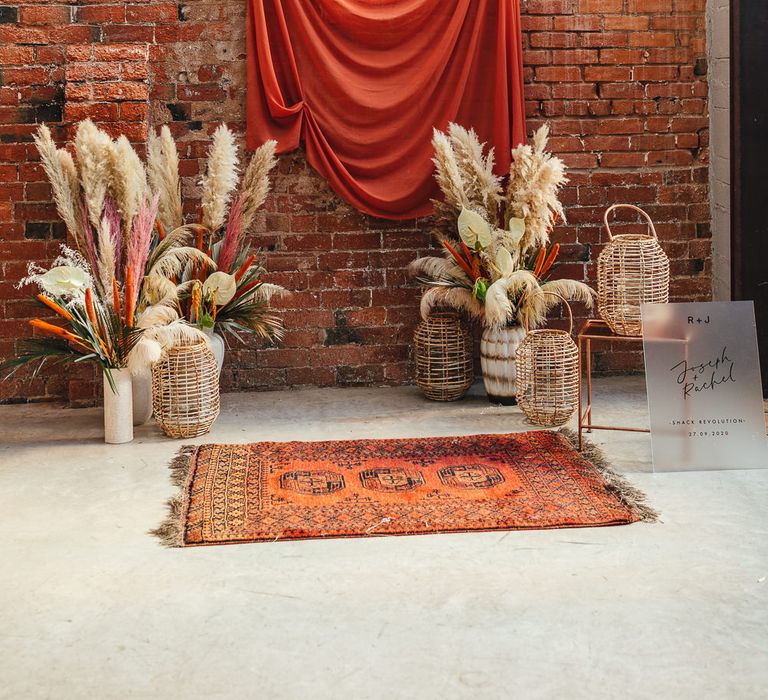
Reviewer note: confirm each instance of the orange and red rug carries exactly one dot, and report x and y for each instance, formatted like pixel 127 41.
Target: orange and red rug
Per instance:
pixel 269 491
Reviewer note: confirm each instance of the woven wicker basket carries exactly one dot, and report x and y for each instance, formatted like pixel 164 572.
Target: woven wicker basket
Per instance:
pixel 185 390
pixel 631 270
pixel 443 350
pixel 548 375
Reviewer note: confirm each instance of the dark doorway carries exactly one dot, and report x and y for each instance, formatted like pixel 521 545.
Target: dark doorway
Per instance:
pixel 749 154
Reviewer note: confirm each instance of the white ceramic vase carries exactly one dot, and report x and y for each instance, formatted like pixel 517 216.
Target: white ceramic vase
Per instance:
pixel 118 407
pixel 142 396
pixel 497 360
pixel 216 344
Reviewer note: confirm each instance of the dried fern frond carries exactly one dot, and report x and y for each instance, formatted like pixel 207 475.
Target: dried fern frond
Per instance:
pixel 535 180
pixel 163 173
pixel 62 174
pixel 457 298
pixel 127 180
pixel 92 147
pixel 481 186
pixel 447 172
pixel 220 178
pixel 255 185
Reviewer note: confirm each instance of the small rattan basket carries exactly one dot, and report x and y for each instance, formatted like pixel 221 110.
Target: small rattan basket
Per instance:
pixel 185 390
pixel 548 375
pixel 443 357
pixel 632 270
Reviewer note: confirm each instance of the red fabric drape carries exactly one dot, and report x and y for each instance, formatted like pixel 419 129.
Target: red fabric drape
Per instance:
pixel 363 82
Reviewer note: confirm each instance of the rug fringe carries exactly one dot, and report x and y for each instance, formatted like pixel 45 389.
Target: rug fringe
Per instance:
pixel 170 531
pixel 630 495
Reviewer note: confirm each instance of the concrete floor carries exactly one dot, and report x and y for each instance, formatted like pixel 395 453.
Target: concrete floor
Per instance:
pixel 93 607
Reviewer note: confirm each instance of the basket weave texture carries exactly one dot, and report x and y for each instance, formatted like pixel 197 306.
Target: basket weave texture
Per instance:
pixel 443 357
pixel 548 375
pixel 632 270
pixel 185 391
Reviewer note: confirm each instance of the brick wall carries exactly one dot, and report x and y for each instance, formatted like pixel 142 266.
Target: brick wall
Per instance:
pixel 622 82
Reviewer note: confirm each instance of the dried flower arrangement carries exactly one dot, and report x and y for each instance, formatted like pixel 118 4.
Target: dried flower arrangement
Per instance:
pixel 498 267
pixel 122 291
pixel 103 198
pixel 223 289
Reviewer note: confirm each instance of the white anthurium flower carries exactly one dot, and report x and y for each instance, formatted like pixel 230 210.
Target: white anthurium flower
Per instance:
pixel 64 281
pixel 224 284
pixel 517 229
pixel 504 262
pixel 474 229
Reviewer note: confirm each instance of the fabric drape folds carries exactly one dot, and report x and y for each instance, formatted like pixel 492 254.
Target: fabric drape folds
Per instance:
pixel 362 83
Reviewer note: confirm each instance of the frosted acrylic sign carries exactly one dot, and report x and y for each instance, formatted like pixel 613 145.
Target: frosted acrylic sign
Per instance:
pixel 704 391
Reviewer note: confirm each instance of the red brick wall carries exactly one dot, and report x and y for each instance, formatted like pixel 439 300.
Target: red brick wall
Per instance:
pixel 622 82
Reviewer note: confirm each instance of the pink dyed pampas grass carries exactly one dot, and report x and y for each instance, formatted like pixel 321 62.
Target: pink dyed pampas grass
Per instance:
pixel 137 250
pixel 231 241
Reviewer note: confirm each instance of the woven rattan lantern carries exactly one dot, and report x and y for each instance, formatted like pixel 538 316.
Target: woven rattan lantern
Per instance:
pixel 548 375
pixel 185 390
pixel 632 270
pixel 443 350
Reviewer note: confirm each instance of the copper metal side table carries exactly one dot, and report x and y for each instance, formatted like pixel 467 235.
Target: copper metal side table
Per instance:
pixel 597 330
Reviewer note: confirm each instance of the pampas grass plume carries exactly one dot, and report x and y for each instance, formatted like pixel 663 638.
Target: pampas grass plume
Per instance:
pixel 92 147
pixel 163 173
pixel 220 178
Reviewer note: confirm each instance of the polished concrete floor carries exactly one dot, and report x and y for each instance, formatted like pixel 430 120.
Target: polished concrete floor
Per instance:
pixel 91 606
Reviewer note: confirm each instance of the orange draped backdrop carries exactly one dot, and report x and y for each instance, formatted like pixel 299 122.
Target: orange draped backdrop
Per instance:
pixel 363 82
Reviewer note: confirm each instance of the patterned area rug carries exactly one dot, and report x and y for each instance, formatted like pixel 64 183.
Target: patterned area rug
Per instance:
pixel 269 491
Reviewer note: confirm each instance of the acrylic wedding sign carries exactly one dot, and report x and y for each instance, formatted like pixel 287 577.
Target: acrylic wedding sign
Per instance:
pixel 704 392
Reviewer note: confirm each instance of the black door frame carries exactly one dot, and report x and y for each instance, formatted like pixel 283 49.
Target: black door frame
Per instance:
pixel 749 174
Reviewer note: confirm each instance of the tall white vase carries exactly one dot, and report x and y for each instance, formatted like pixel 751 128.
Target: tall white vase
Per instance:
pixel 497 360
pixel 142 396
pixel 118 407
pixel 216 344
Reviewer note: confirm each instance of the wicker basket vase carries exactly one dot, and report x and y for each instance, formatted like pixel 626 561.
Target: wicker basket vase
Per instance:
pixel 497 359
pixel 632 270
pixel 548 376
pixel 185 391
pixel 443 357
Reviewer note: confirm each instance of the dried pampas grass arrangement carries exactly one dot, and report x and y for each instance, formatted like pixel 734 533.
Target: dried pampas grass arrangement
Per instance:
pixel 496 262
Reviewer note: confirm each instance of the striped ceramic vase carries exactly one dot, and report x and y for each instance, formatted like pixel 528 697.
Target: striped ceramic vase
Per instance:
pixel 497 360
